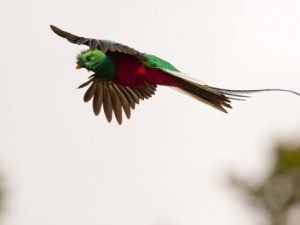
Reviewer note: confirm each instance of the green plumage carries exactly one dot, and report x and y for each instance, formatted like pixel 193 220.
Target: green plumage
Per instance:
pixel 155 62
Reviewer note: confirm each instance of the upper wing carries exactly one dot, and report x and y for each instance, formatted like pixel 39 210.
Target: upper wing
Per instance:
pixel 103 45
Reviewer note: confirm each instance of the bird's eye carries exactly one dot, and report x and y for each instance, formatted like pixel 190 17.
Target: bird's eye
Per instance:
pixel 89 58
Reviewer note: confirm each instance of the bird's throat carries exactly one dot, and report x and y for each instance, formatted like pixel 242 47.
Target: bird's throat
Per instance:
pixel 106 69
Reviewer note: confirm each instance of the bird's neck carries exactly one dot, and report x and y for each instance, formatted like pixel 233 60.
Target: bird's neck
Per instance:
pixel 106 69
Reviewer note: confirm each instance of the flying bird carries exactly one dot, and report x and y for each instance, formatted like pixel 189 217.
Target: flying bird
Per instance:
pixel 122 76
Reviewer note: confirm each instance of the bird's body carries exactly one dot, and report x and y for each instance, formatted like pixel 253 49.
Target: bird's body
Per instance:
pixel 123 76
pixel 127 71
pixel 133 73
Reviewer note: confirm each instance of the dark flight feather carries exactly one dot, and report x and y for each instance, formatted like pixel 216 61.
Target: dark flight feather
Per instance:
pixel 124 102
pixel 132 94
pixel 98 98
pixel 90 92
pixel 107 105
pixel 138 93
pixel 128 96
pixel 116 103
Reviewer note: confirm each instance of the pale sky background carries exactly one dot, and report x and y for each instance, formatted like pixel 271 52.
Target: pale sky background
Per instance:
pixel 168 164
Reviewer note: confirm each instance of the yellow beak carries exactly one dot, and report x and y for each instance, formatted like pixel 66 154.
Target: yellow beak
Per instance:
pixel 78 66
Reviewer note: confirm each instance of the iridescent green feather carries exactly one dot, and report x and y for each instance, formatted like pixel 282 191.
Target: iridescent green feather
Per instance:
pixel 155 62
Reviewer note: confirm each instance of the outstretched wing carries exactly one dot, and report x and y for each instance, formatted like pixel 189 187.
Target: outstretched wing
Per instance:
pixel 108 47
pixel 115 97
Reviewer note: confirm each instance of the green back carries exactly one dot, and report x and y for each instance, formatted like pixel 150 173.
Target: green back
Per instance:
pixel 155 62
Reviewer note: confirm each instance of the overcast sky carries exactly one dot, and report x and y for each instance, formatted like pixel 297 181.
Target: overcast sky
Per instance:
pixel 168 164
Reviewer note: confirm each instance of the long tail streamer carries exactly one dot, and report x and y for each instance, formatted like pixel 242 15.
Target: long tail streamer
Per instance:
pixel 237 92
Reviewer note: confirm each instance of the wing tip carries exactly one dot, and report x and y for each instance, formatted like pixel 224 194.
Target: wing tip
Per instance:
pixel 64 34
pixel 58 31
pixel 55 29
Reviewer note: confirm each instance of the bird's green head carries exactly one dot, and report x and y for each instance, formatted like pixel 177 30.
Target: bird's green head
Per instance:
pixel 90 59
pixel 96 61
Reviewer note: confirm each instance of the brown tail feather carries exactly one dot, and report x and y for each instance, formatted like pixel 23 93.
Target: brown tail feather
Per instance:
pixel 201 91
pixel 207 95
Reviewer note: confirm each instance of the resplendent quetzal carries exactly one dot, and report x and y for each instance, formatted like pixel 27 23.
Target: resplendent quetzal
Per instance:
pixel 123 76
